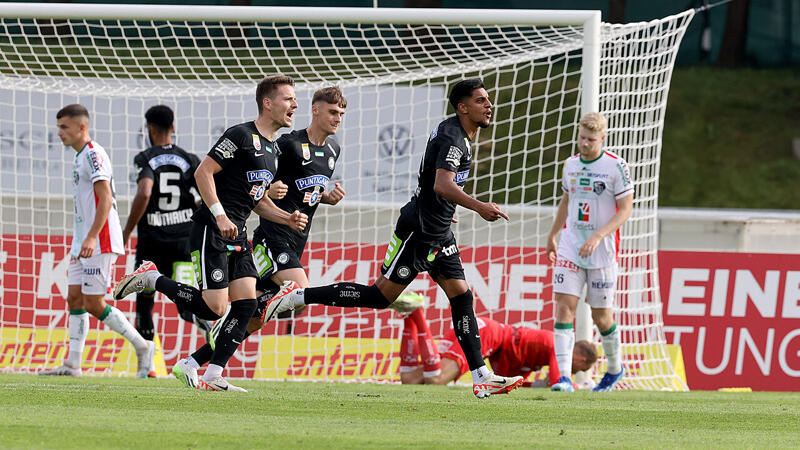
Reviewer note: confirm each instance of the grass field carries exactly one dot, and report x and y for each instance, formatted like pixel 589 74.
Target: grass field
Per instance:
pixel 91 412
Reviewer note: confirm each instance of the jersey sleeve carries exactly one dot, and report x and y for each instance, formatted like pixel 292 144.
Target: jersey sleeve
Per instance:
pixel 623 186
pixel 226 147
pixel 564 184
pixel 448 155
pixel 143 169
pixel 99 165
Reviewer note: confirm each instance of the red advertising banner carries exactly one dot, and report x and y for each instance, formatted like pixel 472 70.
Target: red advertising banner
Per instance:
pixel 736 316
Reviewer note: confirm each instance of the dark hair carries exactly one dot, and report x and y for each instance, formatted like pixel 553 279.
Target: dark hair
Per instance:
pixel 74 110
pixel 463 89
pixel 160 116
pixel 588 350
pixel 267 87
pixel 331 95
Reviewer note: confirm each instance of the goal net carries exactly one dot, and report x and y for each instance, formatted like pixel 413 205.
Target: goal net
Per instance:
pixel 542 69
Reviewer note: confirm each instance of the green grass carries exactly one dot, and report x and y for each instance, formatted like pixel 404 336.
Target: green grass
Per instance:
pixel 90 412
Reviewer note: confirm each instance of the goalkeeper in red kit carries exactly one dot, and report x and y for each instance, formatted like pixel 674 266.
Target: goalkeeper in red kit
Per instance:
pixel 511 351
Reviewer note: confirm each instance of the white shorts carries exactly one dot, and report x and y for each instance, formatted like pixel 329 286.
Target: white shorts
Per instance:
pixel 601 284
pixel 92 274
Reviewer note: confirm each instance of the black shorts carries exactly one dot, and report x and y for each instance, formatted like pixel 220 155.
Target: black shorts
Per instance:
pixel 273 255
pixel 407 256
pixel 165 254
pixel 217 261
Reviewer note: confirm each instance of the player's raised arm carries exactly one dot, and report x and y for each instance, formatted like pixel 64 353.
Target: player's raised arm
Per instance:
pixel 446 186
pixel 204 176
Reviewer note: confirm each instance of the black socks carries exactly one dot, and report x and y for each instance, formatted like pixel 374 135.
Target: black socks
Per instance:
pixel 346 295
pixel 186 297
pixel 144 315
pixel 232 331
pixel 466 328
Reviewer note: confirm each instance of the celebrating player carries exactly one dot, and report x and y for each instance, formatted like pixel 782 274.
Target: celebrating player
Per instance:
pixel 305 165
pixel 423 240
pixel 511 351
pixel 162 210
pixel 232 180
pixel 96 244
pixel 597 200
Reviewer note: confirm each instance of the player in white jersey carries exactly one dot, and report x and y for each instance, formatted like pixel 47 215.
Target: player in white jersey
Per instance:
pixel 96 244
pixel 597 199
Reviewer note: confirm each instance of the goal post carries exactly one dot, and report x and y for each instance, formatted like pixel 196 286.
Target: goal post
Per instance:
pixel 542 68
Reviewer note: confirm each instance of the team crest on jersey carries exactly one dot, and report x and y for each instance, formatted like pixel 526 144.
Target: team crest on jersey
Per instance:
pixel 256 142
pixel 312 181
pixel 259 175
pixel 462 176
pixel 331 163
pixel 583 212
pixel 306 152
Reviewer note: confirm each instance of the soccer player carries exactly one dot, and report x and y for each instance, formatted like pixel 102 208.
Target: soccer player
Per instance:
pixel 96 244
pixel 232 180
pixel 305 165
pixel 166 197
pixel 423 240
pixel 511 351
pixel 597 199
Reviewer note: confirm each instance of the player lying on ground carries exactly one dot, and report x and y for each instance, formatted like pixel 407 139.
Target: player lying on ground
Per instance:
pixel 232 180
pixel 305 166
pixel 423 240
pixel 512 351
pixel 597 199
pixel 96 244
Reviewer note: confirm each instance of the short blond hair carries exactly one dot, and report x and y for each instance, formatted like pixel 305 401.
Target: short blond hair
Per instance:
pixel 594 121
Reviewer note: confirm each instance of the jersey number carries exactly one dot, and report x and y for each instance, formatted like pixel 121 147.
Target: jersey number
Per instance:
pixel 170 197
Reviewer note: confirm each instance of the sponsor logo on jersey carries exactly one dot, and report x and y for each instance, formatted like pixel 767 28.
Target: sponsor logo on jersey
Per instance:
pixel 257 191
pixel 313 197
pixel 583 212
pixel 259 175
pixel 306 151
pixel 169 159
pixel 256 142
pixel 313 180
pixel 226 148
pixel 96 161
pixel 454 155
pixel 331 163
pixel 598 187
pixel 584 182
pixel 624 173
pixel 319 154
pixel 462 176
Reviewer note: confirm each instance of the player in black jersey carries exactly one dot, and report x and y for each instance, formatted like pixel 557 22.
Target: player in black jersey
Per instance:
pixel 161 211
pixel 233 180
pixel 305 165
pixel 423 240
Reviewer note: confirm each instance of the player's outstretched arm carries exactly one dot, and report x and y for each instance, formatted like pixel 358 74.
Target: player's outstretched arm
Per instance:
pixel 624 209
pixel 204 176
pixel 268 210
pixel 333 197
pixel 446 186
pixel 558 224
pixel 138 207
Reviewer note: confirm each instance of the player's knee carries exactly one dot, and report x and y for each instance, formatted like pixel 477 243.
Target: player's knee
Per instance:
pixel 462 300
pixel 380 300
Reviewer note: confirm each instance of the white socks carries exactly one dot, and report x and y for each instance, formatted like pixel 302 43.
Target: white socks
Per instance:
pixel 564 341
pixel 114 319
pixel 213 371
pixel 78 330
pixel 298 297
pixel 191 362
pixel 612 347
pixel 150 279
pixel 480 374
